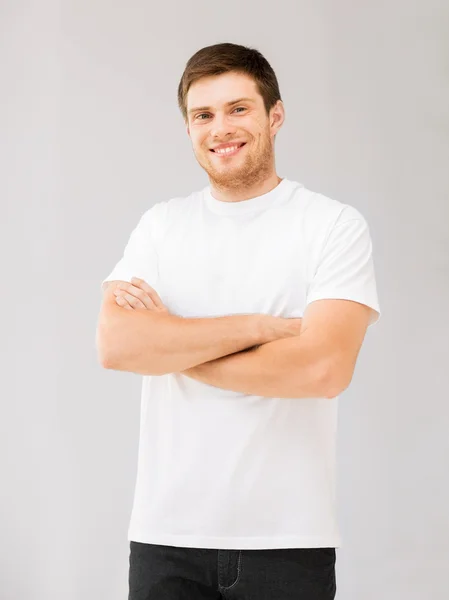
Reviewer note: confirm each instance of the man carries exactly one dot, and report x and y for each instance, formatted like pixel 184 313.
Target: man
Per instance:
pixel 244 305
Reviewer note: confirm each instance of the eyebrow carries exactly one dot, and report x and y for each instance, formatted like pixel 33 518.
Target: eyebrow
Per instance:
pixel 192 110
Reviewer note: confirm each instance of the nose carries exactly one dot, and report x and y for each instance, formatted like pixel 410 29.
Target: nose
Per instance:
pixel 221 127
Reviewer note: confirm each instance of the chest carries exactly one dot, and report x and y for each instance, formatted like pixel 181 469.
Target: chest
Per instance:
pixel 230 266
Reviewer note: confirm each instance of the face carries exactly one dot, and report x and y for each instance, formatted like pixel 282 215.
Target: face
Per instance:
pixel 212 122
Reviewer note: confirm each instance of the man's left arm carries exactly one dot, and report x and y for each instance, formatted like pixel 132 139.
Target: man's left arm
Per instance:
pixel 319 362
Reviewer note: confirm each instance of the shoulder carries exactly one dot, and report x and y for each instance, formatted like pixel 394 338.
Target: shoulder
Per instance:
pixel 322 214
pixel 156 219
pixel 169 208
pixel 327 210
pixel 323 218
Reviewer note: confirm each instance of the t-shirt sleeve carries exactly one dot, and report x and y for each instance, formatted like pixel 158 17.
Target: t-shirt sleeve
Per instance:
pixel 139 257
pixel 345 269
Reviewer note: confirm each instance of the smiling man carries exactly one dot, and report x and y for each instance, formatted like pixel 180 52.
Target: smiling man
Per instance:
pixel 242 167
pixel 244 305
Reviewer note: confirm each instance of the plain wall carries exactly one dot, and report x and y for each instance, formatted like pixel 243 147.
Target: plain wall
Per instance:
pixel 91 137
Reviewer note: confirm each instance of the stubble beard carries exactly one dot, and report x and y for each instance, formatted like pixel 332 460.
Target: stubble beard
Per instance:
pixel 254 170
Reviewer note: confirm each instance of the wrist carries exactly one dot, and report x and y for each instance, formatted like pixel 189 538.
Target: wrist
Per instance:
pixel 265 329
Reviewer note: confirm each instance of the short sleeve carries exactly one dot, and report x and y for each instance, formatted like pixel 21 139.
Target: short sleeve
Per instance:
pixel 139 258
pixel 345 269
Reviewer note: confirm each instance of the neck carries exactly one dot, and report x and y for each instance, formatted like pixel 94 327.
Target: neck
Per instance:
pixel 228 194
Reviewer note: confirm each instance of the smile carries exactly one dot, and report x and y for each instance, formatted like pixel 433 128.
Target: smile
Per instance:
pixel 228 151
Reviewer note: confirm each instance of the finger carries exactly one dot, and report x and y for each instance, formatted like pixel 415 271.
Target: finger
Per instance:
pixel 128 290
pixel 139 293
pixel 151 291
pixel 123 303
pixel 133 301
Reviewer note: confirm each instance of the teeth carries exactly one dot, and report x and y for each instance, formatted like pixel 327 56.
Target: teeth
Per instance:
pixel 226 150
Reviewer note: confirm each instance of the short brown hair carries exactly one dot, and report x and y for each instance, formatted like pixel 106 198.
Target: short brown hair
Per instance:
pixel 224 58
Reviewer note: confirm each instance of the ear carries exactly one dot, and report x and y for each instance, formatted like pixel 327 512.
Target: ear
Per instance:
pixel 277 117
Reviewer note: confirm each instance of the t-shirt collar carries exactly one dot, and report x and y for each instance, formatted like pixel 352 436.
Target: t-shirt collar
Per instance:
pixel 258 203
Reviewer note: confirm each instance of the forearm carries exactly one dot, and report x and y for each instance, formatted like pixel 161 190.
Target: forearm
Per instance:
pixel 151 343
pixel 280 369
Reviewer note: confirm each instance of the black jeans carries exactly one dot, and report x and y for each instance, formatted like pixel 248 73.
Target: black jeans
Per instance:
pixel 158 572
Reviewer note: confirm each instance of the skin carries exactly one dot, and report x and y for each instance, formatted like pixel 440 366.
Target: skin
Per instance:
pixel 251 172
pixel 138 294
pixel 333 329
pixel 248 174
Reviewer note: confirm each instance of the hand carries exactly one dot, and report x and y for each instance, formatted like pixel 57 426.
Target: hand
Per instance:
pixel 138 294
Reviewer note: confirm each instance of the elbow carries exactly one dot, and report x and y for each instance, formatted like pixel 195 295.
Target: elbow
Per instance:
pixel 108 356
pixel 109 345
pixel 332 392
pixel 112 343
pixel 106 362
pixel 115 355
pixel 335 382
pixel 103 349
pixel 105 334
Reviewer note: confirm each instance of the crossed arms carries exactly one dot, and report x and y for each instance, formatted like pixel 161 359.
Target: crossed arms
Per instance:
pixel 240 352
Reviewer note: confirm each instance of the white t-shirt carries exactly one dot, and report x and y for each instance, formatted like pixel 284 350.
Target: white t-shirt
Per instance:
pixel 228 470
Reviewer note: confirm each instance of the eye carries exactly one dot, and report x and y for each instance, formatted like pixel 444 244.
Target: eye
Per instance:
pixel 202 114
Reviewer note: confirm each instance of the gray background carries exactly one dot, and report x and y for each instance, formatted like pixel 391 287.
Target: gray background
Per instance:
pixel 91 137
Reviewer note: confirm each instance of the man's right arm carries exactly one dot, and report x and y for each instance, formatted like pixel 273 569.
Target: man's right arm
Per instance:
pixel 152 343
